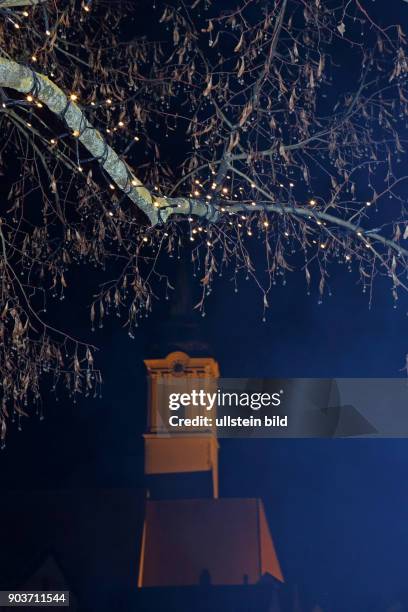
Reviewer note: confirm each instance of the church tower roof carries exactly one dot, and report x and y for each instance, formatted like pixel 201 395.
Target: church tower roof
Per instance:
pixel 181 328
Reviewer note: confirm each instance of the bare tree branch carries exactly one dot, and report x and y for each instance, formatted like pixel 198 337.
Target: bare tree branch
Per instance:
pixel 238 132
pixel 18 3
pixel 24 80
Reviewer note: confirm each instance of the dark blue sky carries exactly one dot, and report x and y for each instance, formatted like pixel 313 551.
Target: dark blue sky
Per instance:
pixel 337 508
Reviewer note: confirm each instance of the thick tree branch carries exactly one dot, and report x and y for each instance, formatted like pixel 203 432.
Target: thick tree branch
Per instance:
pixel 18 3
pixel 24 80
pixel 157 209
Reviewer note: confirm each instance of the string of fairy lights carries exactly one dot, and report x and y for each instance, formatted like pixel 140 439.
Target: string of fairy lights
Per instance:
pixel 199 190
pixel 73 98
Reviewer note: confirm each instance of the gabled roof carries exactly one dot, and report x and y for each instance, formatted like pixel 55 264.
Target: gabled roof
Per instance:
pixel 214 541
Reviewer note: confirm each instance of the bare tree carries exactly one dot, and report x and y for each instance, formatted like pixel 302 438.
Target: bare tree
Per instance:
pixel 270 144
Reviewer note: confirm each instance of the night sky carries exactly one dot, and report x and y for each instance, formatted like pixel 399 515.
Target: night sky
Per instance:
pixel 337 508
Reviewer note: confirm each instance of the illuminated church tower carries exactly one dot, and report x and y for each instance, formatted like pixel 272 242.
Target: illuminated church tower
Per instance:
pixel 184 464
pixel 191 536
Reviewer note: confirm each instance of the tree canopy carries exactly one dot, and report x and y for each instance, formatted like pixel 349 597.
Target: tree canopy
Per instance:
pixel 130 129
